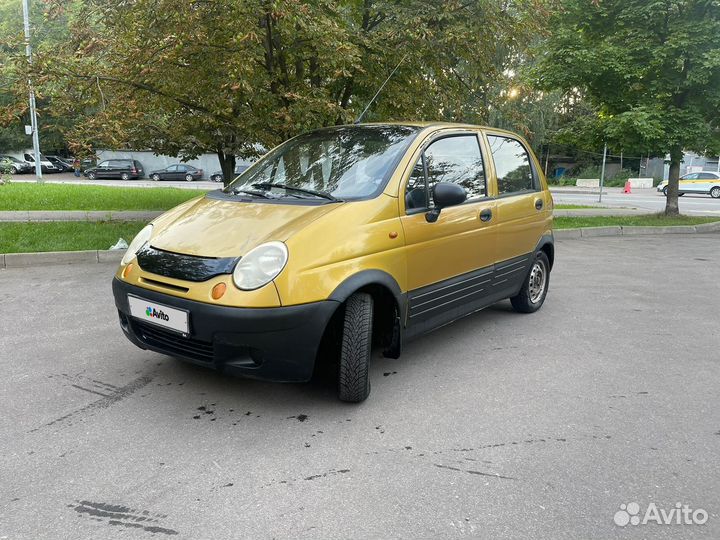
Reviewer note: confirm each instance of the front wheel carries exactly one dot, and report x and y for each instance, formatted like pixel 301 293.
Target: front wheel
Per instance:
pixel 715 192
pixel 535 287
pixel 353 376
pixel 91 175
pixel 14 169
pixel 155 177
pixel 665 191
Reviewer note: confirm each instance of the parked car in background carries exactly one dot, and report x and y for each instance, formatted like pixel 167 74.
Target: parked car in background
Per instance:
pixel 180 171
pixel 62 164
pixel 124 169
pixel 704 182
pixel 218 176
pixel 12 165
pixel 46 165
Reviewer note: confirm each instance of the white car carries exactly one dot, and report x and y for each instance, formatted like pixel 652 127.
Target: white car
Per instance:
pixel 46 165
pixel 705 182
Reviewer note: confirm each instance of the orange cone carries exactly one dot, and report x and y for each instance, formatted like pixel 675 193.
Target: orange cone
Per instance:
pixel 627 189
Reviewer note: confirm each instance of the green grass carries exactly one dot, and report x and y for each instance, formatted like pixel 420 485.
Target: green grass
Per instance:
pixel 64 236
pixel 26 196
pixel 654 220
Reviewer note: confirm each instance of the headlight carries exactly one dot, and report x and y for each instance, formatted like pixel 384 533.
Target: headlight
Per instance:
pixel 138 242
pixel 260 266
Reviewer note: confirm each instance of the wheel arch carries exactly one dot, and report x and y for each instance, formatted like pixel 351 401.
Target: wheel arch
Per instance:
pixel 389 300
pixel 547 245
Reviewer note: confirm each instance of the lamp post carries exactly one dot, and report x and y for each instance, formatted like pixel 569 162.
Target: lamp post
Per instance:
pixel 33 112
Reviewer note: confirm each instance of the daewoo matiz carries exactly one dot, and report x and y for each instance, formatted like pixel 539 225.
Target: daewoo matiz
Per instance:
pixel 351 237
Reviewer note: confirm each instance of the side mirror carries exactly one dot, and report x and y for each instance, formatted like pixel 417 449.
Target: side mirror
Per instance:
pixel 445 194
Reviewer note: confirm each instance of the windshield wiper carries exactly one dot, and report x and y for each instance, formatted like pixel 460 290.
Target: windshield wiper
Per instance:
pixel 322 194
pixel 260 194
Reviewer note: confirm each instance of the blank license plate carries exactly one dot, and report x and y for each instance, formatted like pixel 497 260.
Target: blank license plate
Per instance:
pixel 154 313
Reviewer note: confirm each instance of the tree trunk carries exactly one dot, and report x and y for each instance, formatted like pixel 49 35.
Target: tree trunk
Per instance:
pixel 671 204
pixel 227 165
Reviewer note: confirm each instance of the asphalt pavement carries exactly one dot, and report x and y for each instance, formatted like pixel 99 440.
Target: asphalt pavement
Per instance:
pixel 498 426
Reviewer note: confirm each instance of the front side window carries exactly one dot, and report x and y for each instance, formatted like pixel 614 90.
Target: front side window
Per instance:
pixel 104 164
pixel 512 165
pixel 344 162
pixel 455 159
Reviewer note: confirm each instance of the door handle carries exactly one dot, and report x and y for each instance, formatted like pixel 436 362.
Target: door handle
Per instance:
pixel 538 204
pixel 485 215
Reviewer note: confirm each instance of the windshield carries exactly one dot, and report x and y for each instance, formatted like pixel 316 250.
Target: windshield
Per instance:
pixel 344 162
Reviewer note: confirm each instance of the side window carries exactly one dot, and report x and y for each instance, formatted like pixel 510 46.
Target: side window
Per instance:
pixel 182 168
pixel 456 159
pixel 512 165
pixel 104 164
pixel 172 168
pixel 706 176
pixel 691 176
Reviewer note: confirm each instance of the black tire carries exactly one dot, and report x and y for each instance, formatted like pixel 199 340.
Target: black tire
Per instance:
pixel 189 178
pixel 13 170
pixel 665 191
pixel 353 375
pixel 715 192
pixel 155 177
pixel 124 176
pixel 527 300
pixel 217 178
pixel 91 175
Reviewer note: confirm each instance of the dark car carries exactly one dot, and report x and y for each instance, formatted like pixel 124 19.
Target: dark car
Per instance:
pixel 180 171
pixel 61 163
pixel 124 169
pixel 12 165
pixel 218 176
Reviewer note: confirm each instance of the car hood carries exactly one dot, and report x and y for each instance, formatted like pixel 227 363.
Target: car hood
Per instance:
pixel 209 227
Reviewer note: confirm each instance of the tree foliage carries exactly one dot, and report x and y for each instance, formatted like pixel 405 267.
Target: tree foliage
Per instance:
pixel 649 69
pixel 233 77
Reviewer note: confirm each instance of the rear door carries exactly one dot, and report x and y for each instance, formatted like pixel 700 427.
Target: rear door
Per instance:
pixel 523 207
pixel 181 171
pixel 449 262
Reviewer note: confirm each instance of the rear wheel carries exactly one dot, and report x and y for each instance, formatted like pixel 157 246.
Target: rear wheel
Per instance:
pixel 715 192
pixel 125 176
pixel 353 376
pixel 188 178
pixel 534 289
pixel 665 191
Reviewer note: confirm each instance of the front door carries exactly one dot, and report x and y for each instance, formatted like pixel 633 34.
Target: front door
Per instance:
pixel 449 262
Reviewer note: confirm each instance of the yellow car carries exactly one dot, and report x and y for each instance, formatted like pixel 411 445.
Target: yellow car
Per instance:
pixel 341 240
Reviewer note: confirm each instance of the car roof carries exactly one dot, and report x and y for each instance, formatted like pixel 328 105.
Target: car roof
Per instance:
pixel 434 125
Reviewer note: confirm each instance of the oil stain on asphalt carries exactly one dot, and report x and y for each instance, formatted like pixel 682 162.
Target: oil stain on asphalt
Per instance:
pixel 122 516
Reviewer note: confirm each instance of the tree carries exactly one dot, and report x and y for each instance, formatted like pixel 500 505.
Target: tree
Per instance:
pixel 235 77
pixel 650 69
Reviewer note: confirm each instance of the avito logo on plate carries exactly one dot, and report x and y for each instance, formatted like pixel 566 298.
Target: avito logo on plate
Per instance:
pixel 154 313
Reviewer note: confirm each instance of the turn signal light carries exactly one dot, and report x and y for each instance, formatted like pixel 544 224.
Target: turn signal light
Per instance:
pixel 218 291
pixel 127 270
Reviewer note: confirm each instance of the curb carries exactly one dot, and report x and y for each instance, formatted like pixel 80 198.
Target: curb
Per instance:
pixel 635 230
pixel 23 260
pixel 30 216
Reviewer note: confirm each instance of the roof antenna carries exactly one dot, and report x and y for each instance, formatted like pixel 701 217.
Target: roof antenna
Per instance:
pixel 359 118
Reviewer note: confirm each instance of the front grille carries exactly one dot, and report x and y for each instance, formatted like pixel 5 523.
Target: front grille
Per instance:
pixel 174 343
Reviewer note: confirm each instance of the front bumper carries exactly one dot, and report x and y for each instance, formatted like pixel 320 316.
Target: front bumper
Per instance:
pixel 275 344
